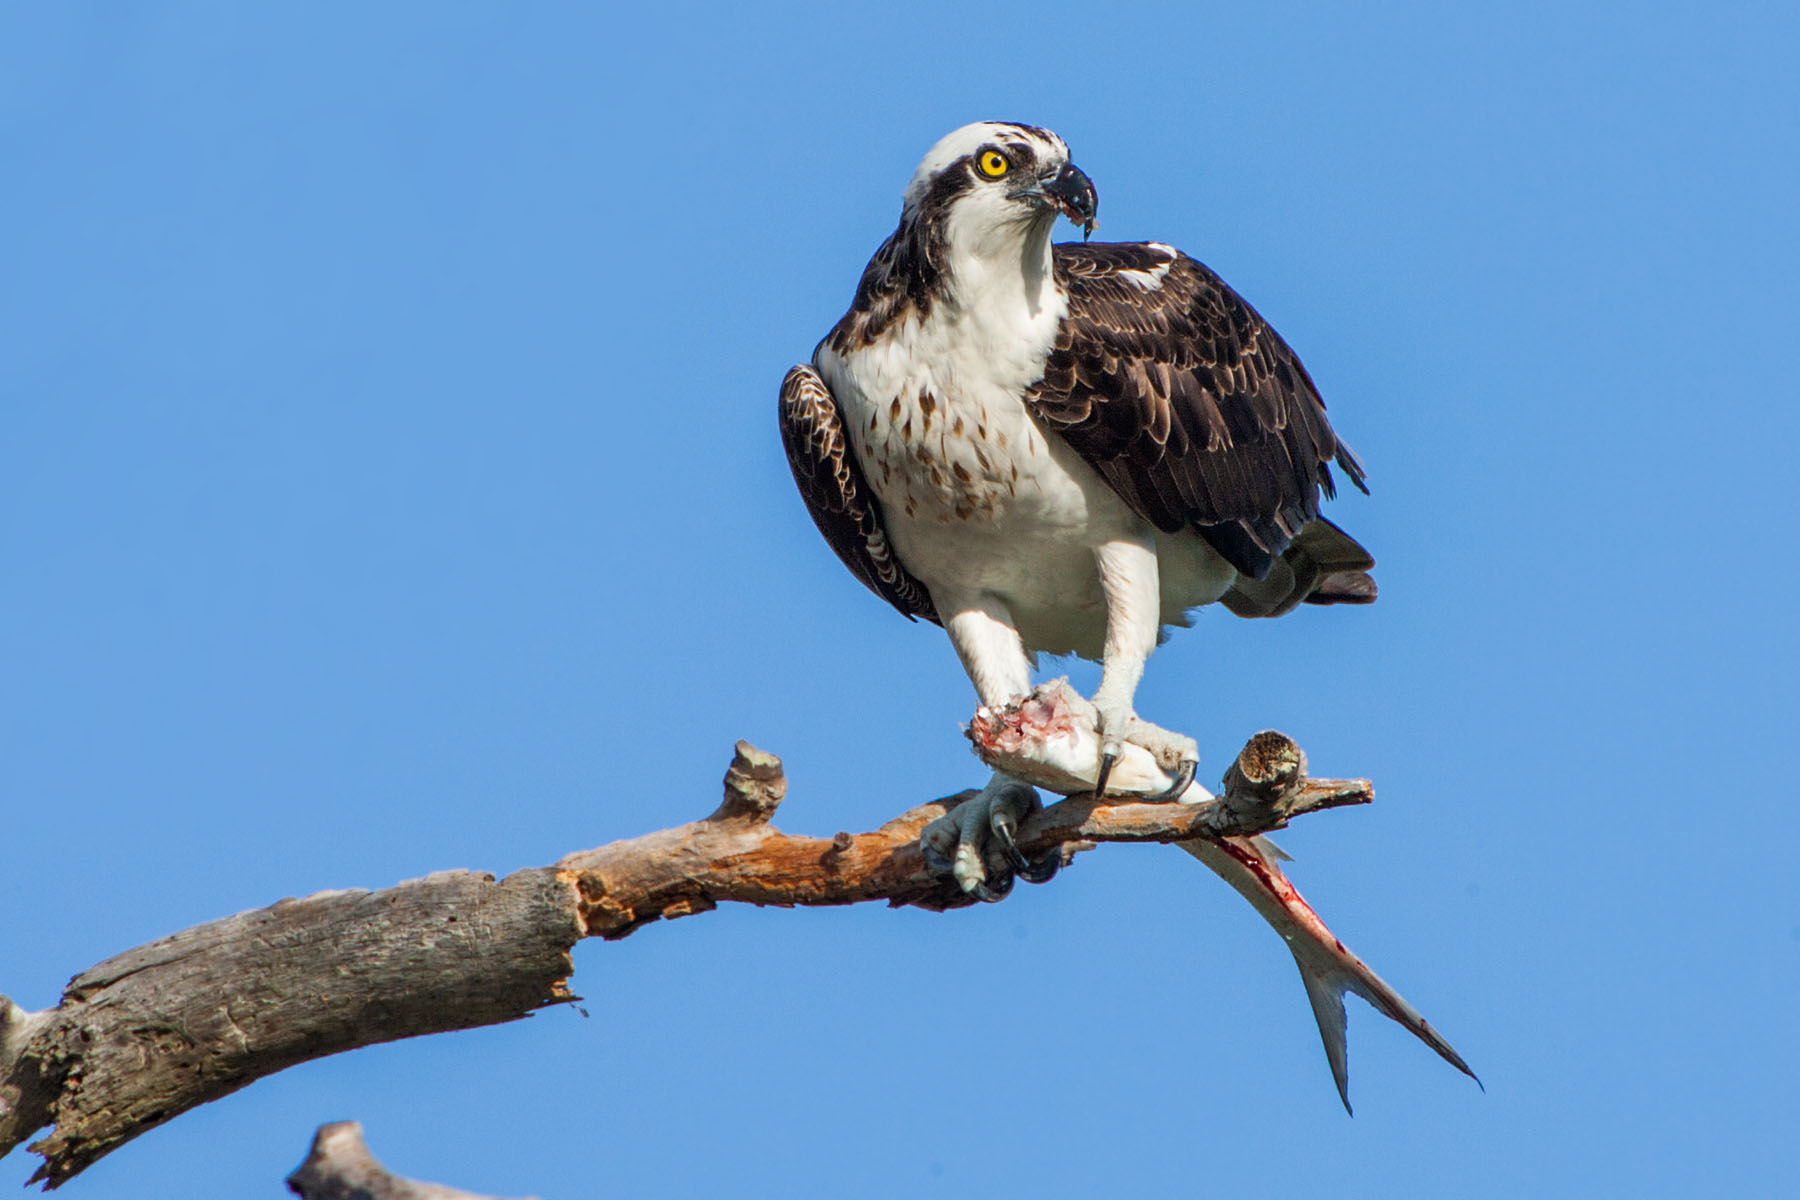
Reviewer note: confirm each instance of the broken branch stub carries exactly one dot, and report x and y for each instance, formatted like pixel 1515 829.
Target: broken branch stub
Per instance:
pixel 340 1167
pixel 1267 786
pixel 754 786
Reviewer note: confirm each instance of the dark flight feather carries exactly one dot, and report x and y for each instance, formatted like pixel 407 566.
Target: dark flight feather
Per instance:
pixel 841 504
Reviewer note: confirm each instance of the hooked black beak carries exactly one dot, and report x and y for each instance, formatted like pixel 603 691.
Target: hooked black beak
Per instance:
pixel 1073 193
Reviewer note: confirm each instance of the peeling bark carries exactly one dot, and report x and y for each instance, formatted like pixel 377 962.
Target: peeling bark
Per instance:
pixel 149 1034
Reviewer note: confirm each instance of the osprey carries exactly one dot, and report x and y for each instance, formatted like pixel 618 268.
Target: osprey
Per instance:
pixel 1061 449
pixel 1065 449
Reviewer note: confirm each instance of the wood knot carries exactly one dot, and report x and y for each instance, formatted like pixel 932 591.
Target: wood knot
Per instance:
pixel 835 851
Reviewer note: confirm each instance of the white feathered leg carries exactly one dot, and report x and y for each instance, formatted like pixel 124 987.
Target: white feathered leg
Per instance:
pixel 981 629
pixel 992 653
pixel 1128 579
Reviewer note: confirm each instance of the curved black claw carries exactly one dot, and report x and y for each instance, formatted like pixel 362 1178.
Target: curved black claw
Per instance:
pixel 1041 871
pixel 1184 776
pixel 1106 765
pixel 991 893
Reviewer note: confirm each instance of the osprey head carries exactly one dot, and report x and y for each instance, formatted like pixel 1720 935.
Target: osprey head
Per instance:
pixel 996 177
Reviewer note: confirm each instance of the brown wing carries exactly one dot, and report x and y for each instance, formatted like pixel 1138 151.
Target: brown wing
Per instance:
pixel 841 504
pixel 1186 402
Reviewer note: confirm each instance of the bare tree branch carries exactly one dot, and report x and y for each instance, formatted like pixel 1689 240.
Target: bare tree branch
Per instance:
pixel 149 1034
pixel 340 1167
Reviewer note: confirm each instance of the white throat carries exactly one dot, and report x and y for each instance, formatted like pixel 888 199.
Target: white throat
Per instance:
pixel 1001 271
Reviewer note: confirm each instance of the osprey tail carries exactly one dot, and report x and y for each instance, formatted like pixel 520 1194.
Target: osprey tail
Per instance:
pixel 1323 565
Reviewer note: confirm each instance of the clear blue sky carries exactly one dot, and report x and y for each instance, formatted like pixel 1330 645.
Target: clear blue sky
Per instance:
pixel 389 482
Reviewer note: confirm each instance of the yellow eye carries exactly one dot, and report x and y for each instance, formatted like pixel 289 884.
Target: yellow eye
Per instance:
pixel 993 164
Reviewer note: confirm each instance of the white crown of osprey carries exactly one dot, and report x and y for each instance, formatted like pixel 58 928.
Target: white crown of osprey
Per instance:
pixel 960 143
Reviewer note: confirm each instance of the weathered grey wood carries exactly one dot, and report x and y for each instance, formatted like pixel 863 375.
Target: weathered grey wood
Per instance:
pixel 340 1167
pixel 151 1033
pixel 28 1083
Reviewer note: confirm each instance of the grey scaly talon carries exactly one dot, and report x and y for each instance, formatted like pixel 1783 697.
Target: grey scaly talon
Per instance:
pixel 1176 754
pixel 976 842
pixel 934 858
pixel 1006 833
pixel 937 842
